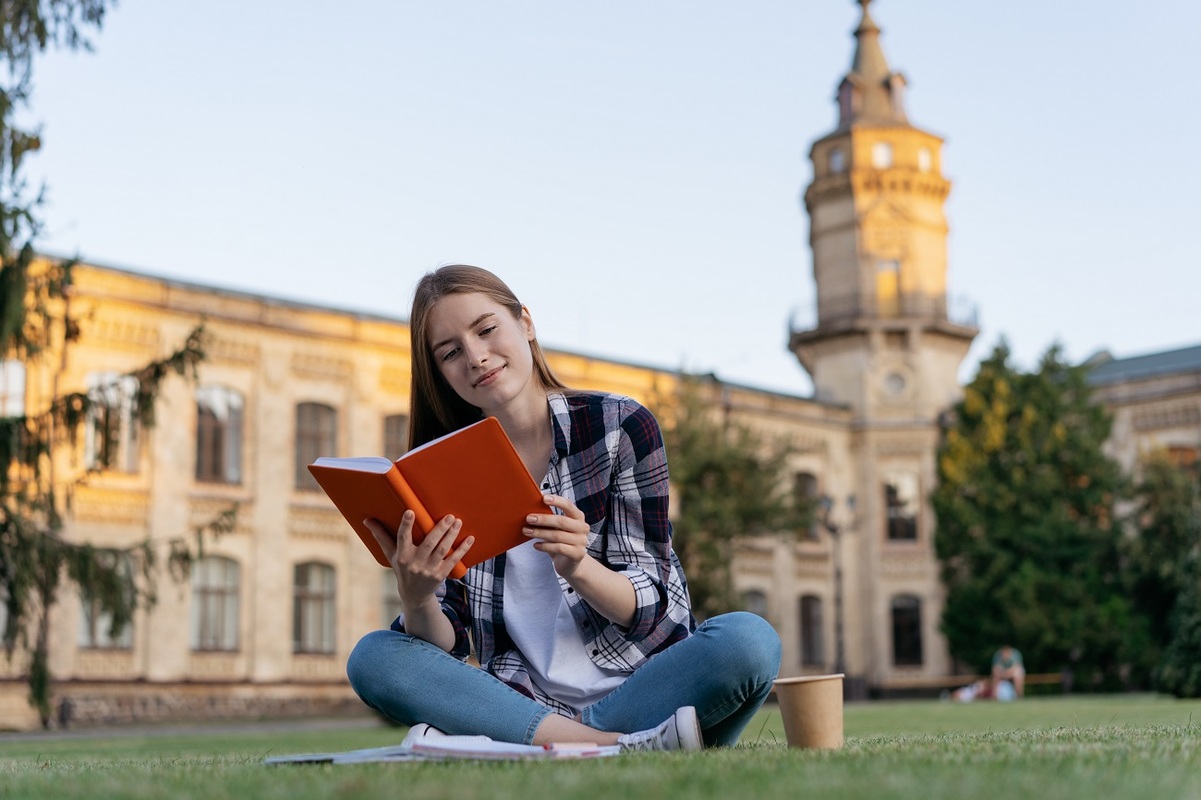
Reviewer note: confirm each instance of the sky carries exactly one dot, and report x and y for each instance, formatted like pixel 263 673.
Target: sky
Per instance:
pixel 633 169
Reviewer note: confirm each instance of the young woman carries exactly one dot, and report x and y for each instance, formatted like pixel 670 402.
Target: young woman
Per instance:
pixel 585 633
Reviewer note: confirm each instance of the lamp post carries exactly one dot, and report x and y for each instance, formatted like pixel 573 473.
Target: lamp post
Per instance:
pixel 826 505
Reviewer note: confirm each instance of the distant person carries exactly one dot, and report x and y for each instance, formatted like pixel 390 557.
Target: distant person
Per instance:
pixel 585 633
pixel 983 690
pixel 1007 666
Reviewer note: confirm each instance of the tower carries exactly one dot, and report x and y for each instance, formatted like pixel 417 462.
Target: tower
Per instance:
pixel 884 346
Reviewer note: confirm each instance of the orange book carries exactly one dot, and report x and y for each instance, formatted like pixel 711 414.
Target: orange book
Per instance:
pixel 473 473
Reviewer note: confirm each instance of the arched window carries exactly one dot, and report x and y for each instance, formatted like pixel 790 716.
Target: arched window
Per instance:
pixel 95 624
pixel 396 435
pixel 812 633
pixel 313 607
pixel 881 155
pixel 804 494
pixel 218 435
pixel 316 436
pixel 216 586
pixel 755 602
pixel 111 427
pixel 907 631
pixel 888 287
pixel 901 501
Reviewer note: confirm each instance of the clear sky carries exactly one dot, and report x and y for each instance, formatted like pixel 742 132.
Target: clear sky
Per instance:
pixel 632 168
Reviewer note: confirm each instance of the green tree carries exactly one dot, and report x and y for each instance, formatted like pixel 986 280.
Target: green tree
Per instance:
pixel 1179 671
pixel 728 482
pixel 1159 556
pixel 1026 533
pixel 36 330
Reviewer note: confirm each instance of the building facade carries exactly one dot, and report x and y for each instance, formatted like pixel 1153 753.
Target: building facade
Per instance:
pixel 267 618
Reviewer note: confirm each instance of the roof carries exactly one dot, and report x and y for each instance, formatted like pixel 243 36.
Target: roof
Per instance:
pixel 1104 369
pixel 286 303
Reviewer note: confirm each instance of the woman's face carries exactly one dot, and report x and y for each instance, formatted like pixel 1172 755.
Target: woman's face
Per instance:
pixel 481 350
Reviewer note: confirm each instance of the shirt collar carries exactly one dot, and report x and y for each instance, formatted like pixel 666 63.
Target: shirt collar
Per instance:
pixel 560 423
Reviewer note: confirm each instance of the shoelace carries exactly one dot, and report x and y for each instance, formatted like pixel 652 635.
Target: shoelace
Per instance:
pixel 654 739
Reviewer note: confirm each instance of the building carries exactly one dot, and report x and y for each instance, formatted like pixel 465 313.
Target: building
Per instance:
pixel 268 617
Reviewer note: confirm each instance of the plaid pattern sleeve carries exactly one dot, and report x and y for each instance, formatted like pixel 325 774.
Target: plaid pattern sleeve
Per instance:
pixel 613 465
pixel 452 595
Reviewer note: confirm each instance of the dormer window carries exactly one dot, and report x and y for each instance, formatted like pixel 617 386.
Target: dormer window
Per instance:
pixel 881 155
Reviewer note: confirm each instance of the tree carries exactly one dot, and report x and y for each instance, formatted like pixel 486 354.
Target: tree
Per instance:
pixel 1179 672
pixel 36 330
pixel 1026 533
pixel 1159 558
pixel 728 482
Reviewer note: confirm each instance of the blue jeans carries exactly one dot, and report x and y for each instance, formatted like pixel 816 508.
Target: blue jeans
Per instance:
pixel 725 669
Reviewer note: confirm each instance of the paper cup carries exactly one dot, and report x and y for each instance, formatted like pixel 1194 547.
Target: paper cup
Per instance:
pixel 811 706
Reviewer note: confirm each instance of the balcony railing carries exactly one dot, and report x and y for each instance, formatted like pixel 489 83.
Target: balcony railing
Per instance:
pixel 837 312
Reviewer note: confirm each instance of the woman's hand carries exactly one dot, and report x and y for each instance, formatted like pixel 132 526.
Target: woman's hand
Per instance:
pixel 420 568
pixel 564 537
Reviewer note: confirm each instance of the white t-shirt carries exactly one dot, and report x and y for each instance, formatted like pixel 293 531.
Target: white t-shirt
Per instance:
pixel 546 635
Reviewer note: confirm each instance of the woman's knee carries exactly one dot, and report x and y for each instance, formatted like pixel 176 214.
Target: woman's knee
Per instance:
pixel 749 640
pixel 364 658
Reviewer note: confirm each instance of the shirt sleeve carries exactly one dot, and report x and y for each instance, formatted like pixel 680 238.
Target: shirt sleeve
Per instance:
pixel 638 543
pixel 452 595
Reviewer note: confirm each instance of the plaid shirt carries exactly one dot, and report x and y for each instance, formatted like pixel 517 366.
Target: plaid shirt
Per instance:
pixel 610 461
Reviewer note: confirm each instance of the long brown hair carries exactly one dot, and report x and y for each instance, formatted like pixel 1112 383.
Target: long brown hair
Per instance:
pixel 434 408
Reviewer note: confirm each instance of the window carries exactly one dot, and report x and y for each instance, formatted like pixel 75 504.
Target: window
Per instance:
pixel 316 436
pixel 900 506
pixel 396 435
pixel 96 629
pixel 389 598
pixel 755 602
pixel 838 160
pixel 881 155
pixel 95 623
pixel 907 631
pixel 313 608
pixel 812 635
pixel 888 287
pixel 12 388
pixel 111 427
pixel 804 494
pixel 218 435
pixel 215 587
pixel 925 161
pixel 1182 457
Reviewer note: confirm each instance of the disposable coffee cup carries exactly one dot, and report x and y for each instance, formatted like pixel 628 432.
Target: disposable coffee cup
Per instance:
pixel 811 706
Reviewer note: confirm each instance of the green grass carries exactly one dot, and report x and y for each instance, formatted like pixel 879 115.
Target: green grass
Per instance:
pixel 1038 749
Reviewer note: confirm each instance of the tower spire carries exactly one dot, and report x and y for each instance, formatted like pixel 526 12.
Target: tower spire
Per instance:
pixel 871 92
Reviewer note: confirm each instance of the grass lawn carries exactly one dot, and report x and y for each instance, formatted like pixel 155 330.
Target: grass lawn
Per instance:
pixel 1041 748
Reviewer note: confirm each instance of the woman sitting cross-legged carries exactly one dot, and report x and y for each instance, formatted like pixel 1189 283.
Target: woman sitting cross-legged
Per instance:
pixel 584 633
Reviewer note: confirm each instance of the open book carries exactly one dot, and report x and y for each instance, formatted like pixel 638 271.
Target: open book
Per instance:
pixel 445 748
pixel 473 473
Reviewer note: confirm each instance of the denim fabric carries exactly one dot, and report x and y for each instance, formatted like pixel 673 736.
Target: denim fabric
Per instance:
pixel 725 669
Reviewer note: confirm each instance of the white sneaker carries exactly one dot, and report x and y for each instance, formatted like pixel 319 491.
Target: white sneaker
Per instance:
pixel 680 731
pixel 422 730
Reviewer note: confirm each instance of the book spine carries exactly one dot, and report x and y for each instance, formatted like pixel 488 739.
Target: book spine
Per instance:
pixel 423 523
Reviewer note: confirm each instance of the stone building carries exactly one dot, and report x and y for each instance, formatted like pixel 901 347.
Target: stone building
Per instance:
pixel 267 619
